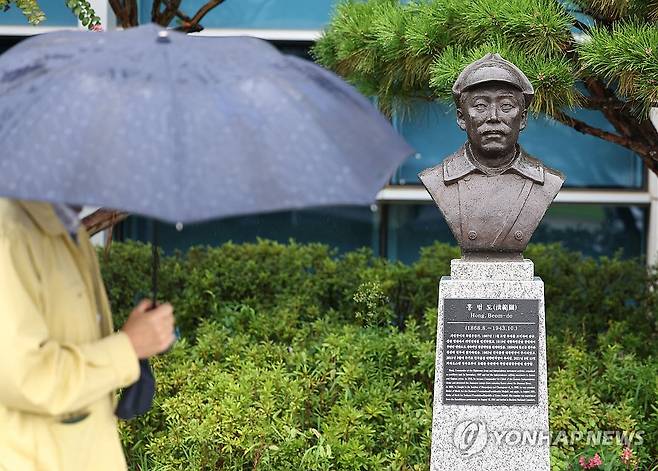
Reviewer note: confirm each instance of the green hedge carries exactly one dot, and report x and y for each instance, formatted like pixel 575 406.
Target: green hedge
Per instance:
pixel 296 358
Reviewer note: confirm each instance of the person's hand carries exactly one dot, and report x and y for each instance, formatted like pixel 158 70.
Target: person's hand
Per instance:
pixel 151 331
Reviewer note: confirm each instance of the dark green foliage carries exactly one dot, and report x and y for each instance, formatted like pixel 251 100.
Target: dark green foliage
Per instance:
pixel 627 54
pixel 583 295
pixel 296 358
pixel 331 397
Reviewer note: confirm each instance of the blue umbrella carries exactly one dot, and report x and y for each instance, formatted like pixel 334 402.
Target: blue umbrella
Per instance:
pixel 184 129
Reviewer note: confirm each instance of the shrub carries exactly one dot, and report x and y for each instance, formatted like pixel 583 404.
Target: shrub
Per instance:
pixel 334 397
pixel 294 357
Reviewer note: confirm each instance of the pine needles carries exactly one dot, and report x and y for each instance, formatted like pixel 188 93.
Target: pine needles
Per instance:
pixel 627 56
pixel 400 52
pixel 553 79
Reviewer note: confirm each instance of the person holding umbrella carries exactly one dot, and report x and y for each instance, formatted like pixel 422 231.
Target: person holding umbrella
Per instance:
pixel 61 358
pixel 156 123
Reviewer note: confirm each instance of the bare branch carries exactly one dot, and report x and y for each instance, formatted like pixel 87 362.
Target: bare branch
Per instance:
pixel 192 24
pixel 203 11
pixel 183 16
pixel 126 12
pixel 583 127
pixel 186 25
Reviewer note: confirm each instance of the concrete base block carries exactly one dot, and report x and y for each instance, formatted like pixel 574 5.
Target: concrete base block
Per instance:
pixel 491 437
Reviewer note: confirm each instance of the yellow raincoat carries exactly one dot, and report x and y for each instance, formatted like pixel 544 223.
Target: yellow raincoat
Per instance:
pixel 60 360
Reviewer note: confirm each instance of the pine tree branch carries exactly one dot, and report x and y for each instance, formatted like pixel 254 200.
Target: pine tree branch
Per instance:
pixel 626 123
pixel 642 150
pixel 598 17
pixel 581 26
pixel 595 103
pixel 620 119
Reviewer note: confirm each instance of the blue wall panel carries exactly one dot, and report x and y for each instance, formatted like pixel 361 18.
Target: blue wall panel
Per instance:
pixel 259 14
pixel 56 15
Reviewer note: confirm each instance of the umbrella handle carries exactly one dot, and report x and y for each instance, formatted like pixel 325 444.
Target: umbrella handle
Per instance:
pixel 155 264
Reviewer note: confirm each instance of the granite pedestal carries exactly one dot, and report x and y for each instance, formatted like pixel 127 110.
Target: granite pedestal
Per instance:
pixel 490 392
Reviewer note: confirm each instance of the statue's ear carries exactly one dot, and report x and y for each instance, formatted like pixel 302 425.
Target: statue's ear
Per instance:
pixel 524 119
pixel 460 119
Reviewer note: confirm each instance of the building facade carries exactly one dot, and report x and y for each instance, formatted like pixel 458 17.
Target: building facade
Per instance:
pixel 609 202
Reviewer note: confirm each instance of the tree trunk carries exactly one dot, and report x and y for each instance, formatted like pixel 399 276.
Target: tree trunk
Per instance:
pixel 126 12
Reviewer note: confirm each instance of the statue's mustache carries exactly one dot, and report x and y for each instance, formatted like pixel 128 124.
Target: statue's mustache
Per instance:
pixel 484 130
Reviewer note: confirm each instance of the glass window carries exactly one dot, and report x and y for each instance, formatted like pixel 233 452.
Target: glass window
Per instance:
pixel 346 228
pixel 595 229
pixel 592 229
pixel 431 129
pixel 586 161
pixel 258 14
pixel 56 15
pixel 412 226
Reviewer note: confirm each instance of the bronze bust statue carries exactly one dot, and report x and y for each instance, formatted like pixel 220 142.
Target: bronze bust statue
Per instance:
pixel 491 192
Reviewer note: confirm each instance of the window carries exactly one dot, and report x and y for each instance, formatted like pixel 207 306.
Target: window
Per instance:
pixel 346 228
pixel 592 229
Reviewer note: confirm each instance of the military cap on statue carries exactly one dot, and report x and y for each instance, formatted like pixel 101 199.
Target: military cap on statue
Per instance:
pixel 493 68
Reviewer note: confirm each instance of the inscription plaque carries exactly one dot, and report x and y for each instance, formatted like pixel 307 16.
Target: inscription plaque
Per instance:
pixel 490 352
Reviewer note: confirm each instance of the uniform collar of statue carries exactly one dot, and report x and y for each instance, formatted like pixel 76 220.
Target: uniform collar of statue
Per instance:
pixel 461 164
pixel 490 171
